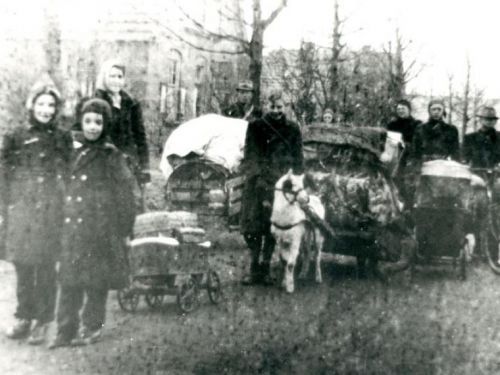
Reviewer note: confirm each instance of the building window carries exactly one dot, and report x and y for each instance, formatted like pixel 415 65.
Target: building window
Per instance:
pixel 163 97
pixel 173 75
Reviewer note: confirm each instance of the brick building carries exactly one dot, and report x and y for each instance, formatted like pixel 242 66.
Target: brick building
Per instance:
pixel 157 40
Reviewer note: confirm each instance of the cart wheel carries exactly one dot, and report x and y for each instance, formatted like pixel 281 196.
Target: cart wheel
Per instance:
pixel 490 244
pixel 214 288
pixel 128 299
pixel 187 295
pixel 154 300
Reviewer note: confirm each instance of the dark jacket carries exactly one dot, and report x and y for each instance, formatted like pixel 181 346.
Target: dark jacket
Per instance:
pixel 99 214
pixel 127 129
pixel 435 140
pixel 243 111
pixel 481 149
pixel 34 162
pixel 405 126
pixel 272 147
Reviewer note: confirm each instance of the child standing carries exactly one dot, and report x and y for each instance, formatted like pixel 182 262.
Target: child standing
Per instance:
pixel 99 215
pixel 34 161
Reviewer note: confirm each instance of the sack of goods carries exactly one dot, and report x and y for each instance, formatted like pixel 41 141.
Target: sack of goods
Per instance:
pixel 357 202
pixel 444 183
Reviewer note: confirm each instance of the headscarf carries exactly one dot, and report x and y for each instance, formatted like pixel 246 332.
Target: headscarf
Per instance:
pixel 103 73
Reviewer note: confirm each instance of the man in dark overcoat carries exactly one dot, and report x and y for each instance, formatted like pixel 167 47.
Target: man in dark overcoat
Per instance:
pixel 481 149
pixel 273 145
pixel 435 139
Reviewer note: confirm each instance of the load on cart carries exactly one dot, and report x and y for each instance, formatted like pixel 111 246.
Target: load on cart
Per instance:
pixel 351 170
pixel 201 161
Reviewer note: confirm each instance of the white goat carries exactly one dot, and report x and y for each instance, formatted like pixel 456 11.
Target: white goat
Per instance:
pixel 291 228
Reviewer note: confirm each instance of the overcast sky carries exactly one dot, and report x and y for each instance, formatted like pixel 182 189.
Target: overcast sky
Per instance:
pixel 442 32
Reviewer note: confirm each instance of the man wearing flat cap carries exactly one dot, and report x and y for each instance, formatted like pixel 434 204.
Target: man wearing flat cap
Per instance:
pixel 243 107
pixel 481 149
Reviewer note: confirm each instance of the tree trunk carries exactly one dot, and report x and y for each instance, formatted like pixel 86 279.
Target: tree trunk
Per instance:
pixel 465 116
pixel 255 67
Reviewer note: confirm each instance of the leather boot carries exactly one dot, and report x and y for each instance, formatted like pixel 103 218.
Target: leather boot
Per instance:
pixel 266 278
pixel 254 277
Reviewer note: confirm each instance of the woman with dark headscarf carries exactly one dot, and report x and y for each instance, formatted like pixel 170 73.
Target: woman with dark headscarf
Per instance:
pixel 126 130
pixel 34 162
pixel 99 215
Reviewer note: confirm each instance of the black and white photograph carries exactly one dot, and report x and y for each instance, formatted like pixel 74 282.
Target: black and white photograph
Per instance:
pixel 271 187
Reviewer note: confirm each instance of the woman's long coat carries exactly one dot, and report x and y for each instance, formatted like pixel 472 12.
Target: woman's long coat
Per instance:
pixel 127 130
pixel 435 140
pixel 272 147
pixel 34 162
pixel 99 214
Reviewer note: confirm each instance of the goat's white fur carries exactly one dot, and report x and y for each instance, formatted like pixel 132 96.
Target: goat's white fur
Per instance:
pixel 288 213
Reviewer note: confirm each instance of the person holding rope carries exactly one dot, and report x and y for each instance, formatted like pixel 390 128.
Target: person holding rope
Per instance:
pixel 273 145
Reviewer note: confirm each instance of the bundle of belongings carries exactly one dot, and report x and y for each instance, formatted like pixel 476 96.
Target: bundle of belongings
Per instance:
pixel 211 137
pixel 355 185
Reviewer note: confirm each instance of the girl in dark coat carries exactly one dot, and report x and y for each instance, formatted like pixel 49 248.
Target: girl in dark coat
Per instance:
pixel 126 130
pixel 99 215
pixel 34 161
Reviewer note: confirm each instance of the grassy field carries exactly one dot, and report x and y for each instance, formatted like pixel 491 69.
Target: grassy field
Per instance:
pixel 437 325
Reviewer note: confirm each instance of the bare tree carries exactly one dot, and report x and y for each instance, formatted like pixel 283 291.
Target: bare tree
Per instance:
pixel 450 98
pixel 335 60
pixel 465 106
pixel 253 48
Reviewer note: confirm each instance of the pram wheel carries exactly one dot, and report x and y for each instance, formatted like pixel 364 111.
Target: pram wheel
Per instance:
pixel 154 299
pixel 490 244
pixel 214 287
pixel 187 295
pixel 128 299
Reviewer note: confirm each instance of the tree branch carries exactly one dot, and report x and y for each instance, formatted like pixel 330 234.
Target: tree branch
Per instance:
pixel 274 14
pixel 209 33
pixel 193 45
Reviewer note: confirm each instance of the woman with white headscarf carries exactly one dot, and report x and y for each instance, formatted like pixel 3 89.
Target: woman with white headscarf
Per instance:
pixel 127 128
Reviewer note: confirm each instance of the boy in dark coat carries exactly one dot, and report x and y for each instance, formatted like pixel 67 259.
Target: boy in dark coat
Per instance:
pixel 273 145
pixel 34 162
pixel 99 215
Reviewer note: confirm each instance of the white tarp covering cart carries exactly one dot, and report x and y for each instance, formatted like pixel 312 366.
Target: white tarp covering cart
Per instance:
pixel 200 160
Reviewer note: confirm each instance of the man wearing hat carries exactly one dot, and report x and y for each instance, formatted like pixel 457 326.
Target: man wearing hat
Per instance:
pixel 481 149
pixel 242 108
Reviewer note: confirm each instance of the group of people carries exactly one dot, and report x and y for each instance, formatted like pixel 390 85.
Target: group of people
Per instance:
pixel 73 204
pixel 273 145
